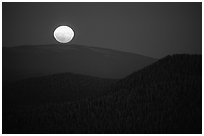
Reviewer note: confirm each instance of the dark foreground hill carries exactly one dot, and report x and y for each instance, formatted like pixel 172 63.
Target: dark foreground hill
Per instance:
pixel 28 61
pixel 54 89
pixel 165 97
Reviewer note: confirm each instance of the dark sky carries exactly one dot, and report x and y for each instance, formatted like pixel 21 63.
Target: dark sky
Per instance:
pixel 151 29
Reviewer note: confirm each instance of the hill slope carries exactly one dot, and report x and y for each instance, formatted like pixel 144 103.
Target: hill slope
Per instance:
pixel 165 97
pixel 29 61
pixel 55 88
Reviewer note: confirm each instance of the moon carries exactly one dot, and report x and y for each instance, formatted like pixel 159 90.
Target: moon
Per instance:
pixel 63 34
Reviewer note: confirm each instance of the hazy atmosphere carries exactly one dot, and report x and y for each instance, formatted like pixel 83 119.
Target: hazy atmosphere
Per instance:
pixel 102 68
pixel 151 29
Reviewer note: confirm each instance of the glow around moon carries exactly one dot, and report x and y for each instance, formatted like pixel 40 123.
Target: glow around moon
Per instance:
pixel 63 34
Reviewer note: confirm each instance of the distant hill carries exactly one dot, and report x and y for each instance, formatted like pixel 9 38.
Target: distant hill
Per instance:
pixel 21 62
pixel 165 97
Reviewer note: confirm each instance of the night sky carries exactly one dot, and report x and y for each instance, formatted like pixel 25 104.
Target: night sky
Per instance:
pixel 151 29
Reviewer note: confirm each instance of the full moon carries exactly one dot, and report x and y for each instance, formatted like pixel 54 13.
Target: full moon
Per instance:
pixel 63 34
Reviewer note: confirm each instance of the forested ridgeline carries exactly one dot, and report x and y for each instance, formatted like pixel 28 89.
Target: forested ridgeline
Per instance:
pixel 165 97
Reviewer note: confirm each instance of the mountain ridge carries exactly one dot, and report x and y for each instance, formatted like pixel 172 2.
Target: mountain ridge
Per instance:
pixel 73 46
pixel 27 61
pixel 164 97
